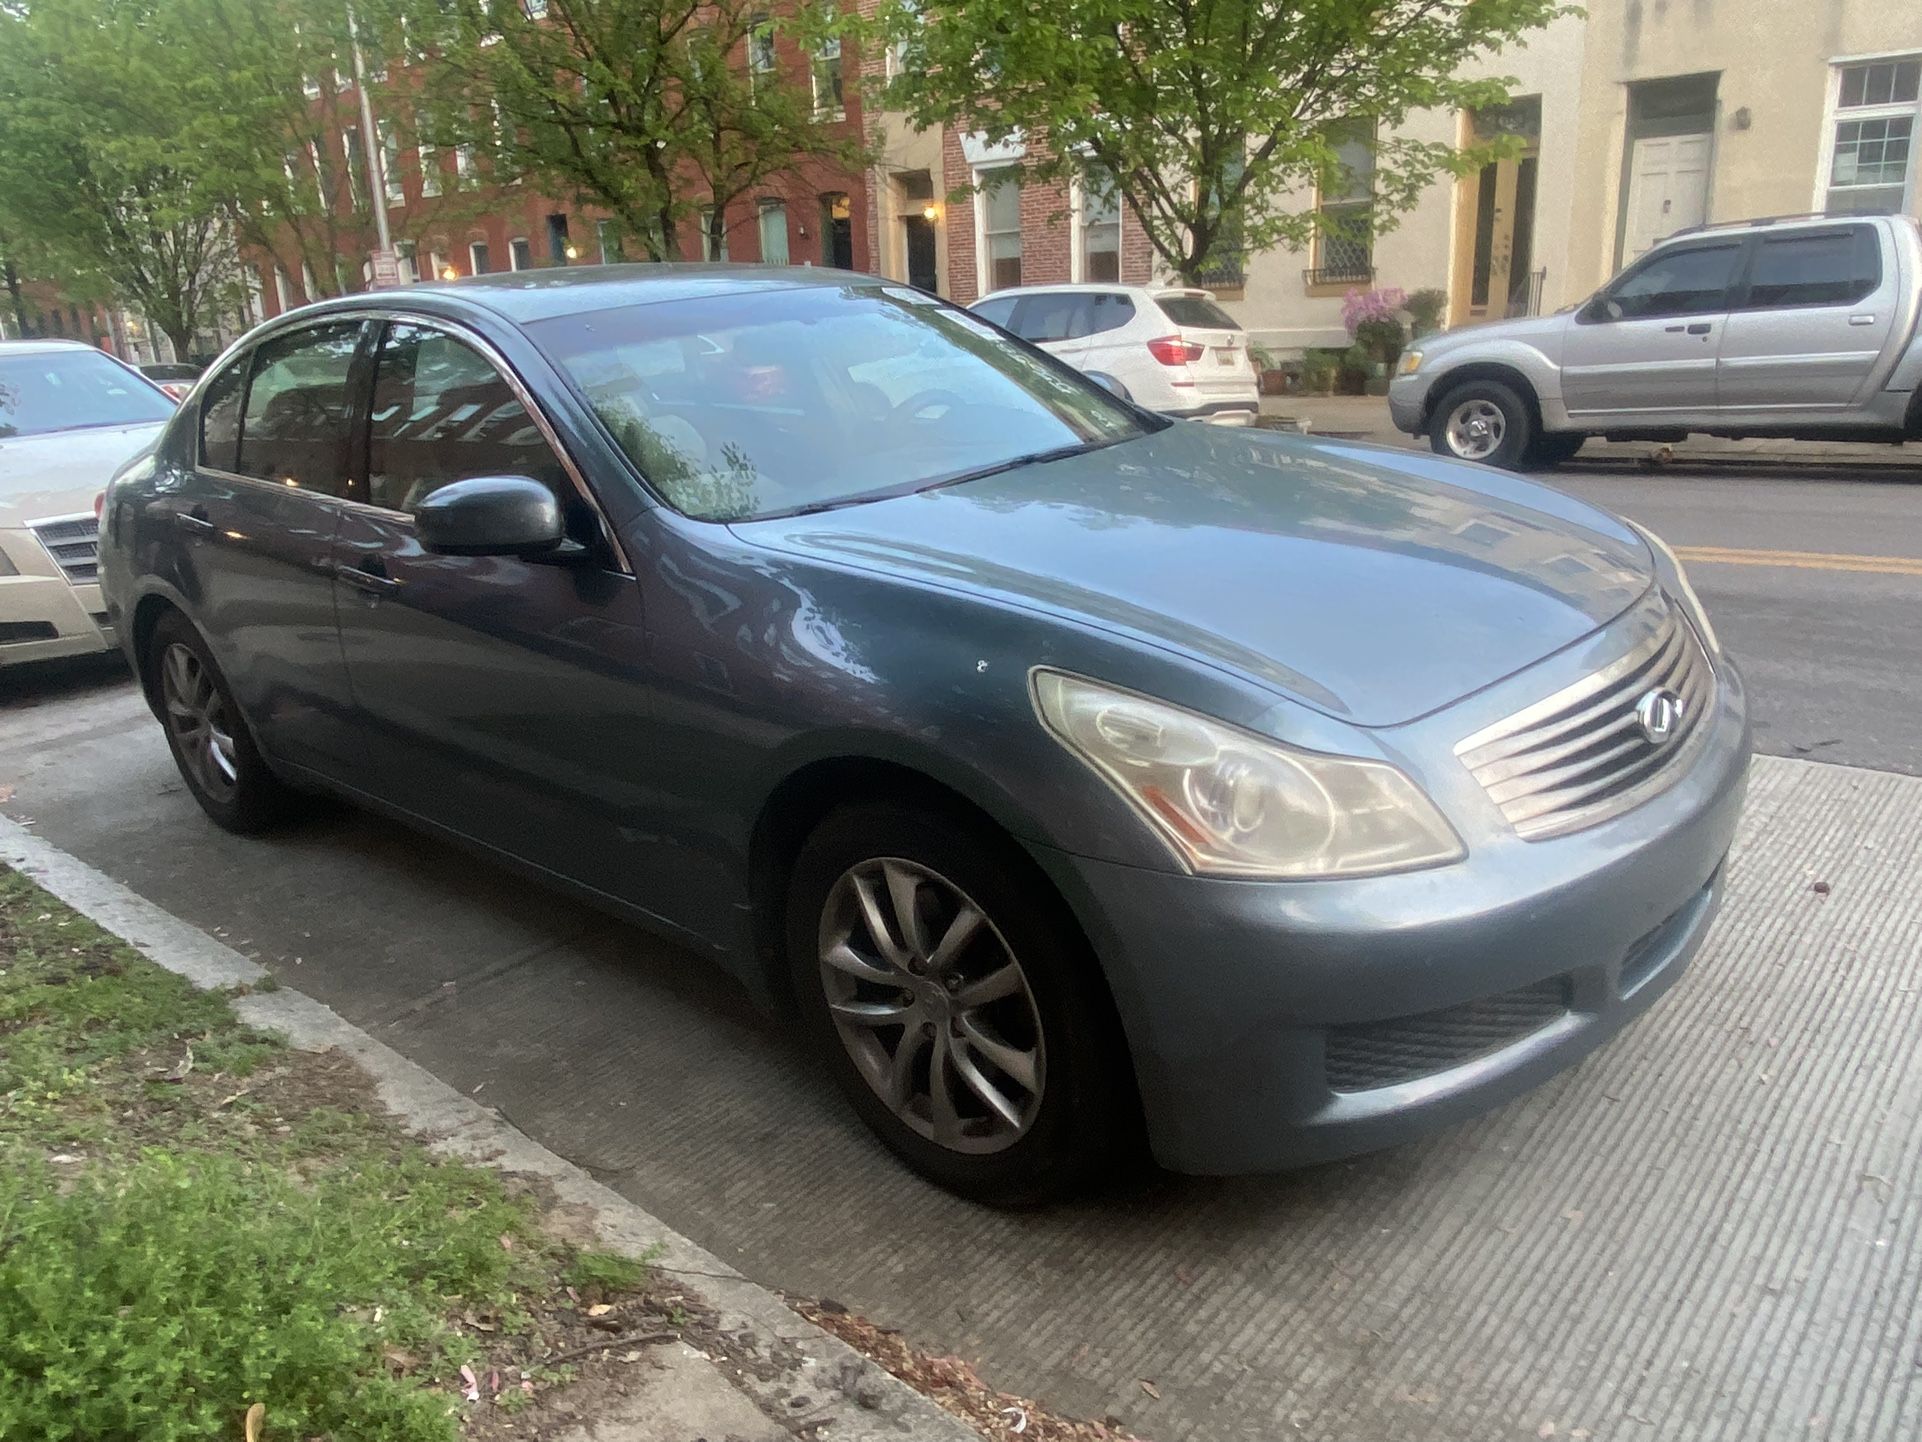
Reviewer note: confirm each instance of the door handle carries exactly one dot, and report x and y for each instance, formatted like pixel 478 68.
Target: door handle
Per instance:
pixel 1861 320
pixel 1700 328
pixel 1673 329
pixel 373 585
pixel 194 524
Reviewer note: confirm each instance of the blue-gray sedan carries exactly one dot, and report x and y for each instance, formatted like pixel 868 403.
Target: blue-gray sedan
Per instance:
pixel 1067 772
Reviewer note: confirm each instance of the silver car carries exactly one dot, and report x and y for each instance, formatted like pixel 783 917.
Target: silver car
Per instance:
pixel 1803 328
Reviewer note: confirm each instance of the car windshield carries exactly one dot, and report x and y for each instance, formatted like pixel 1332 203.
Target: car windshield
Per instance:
pixel 744 406
pixel 70 390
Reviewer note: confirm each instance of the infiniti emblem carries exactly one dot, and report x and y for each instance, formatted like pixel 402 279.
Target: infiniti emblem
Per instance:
pixel 1657 714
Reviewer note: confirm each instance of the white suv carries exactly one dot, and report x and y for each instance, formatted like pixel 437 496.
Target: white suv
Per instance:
pixel 1174 351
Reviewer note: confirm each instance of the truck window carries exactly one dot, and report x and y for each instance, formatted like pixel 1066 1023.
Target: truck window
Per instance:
pixel 1819 267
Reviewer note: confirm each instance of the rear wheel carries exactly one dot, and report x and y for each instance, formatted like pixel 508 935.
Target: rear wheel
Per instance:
pixel 958 1007
pixel 209 738
pixel 1483 421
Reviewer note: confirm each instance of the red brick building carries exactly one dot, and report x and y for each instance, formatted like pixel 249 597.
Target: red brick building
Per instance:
pixel 448 218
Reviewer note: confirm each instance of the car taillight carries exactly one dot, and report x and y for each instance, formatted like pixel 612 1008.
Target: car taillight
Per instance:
pixel 99 504
pixel 179 390
pixel 1172 350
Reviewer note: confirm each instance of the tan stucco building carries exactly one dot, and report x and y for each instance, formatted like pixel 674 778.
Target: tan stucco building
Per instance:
pixel 1638 119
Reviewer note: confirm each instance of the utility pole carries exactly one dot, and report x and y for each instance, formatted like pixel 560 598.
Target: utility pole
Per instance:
pixel 370 139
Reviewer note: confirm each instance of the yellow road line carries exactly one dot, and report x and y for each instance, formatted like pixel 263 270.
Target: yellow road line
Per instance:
pixel 1802 560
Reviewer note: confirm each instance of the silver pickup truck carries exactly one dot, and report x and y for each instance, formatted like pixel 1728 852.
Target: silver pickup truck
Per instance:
pixel 1803 327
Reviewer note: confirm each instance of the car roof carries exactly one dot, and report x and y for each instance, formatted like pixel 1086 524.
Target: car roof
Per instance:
pixel 44 347
pixel 530 295
pixel 1811 220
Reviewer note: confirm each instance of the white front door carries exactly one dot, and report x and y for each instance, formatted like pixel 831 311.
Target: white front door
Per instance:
pixel 1667 188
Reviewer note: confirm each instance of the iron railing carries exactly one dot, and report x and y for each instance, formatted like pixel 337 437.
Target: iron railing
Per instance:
pixel 1353 274
pixel 1225 268
pixel 1526 298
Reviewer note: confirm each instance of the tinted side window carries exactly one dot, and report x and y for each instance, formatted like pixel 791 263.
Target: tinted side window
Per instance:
pixel 298 408
pixel 1109 312
pixel 997 311
pixel 1825 267
pixel 220 416
pixel 1055 316
pixel 1677 282
pixel 442 413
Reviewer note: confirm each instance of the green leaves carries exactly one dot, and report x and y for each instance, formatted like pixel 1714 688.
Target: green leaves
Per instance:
pixel 1218 118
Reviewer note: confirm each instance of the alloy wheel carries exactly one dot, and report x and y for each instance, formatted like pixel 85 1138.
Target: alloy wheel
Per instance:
pixel 932 1005
pixel 1476 429
pixel 198 717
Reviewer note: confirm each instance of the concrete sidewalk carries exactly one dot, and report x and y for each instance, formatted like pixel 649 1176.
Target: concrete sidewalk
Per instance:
pixel 1365 418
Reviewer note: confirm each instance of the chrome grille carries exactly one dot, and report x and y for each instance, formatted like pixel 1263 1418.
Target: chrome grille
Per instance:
pixel 1578 757
pixel 74 544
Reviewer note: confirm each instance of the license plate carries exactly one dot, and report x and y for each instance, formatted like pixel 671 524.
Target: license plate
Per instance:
pixel 1227 357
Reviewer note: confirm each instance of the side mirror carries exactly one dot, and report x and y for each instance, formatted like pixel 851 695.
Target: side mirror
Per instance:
pixel 491 516
pixel 1111 384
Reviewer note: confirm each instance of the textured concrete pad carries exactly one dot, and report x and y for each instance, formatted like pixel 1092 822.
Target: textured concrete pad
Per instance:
pixel 680 1396
pixel 1708 1230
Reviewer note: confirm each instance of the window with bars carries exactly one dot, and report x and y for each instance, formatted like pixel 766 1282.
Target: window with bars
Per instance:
pixel 1345 211
pixel 1872 152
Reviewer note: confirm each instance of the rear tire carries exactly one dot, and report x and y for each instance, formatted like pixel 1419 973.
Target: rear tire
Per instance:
pixel 1023 1094
pixel 211 741
pixel 1483 421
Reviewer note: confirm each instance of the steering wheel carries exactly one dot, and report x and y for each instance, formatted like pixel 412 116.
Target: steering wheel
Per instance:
pixel 923 401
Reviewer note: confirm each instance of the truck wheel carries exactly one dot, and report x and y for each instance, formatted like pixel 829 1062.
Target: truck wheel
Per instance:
pixel 1483 421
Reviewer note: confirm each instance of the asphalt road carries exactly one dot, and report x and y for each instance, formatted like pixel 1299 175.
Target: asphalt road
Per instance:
pixel 1803 578
pixel 1708 1230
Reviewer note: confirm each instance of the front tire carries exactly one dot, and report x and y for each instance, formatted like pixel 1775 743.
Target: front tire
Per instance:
pixel 1484 421
pixel 957 1005
pixel 210 739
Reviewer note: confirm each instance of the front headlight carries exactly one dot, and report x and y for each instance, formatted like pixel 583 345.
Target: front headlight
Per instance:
pixel 1675 580
pixel 1410 363
pixel 1230 803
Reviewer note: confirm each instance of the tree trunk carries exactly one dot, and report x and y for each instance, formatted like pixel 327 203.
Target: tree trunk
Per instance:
pixel 181 337
pixel 19 302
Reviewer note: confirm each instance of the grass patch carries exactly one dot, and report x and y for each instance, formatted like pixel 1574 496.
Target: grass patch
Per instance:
pixel 195 1218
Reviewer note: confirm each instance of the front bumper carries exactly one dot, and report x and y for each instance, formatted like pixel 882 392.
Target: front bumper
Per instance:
pixel 1251 1007
pixel 43 615
pixel 1408 402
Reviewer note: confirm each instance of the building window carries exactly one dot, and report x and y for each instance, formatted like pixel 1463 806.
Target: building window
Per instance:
pixel 429 172
pixel 829 104
pixel 320 174
pixel 309 287
pixel 608 234
pixel 408 254
pixel 711 247
pixel 999 206
pixel 520 255
pixel 1345 209
pixel 283 291
pixel 442 270
pixel 773 216
pixel 465 164
pixel 356 167
pixel 1100 228
pixel 896 62
pixel 390 163
pixel 1871 159
pixel 479 262
pixel 760 46
pixel 535 9
pixel 560 250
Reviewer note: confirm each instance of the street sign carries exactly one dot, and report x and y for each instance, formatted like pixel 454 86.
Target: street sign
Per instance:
pixel 386 268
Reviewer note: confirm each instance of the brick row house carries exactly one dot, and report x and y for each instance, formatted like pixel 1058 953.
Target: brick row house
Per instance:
pixel 448 218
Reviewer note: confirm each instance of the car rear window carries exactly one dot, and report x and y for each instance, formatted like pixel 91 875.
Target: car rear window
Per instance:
pixel 1826 267
pixel 1197 311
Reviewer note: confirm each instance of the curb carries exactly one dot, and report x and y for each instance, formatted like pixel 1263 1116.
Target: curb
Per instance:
pixel 811 1381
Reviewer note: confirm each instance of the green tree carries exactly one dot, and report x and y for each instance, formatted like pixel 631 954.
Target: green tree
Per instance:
pixel 1212 119
pixel 93 179
pixel 653 110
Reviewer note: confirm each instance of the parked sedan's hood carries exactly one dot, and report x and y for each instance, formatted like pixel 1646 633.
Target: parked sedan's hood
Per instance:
pixel 59 473
pixel 1372 584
